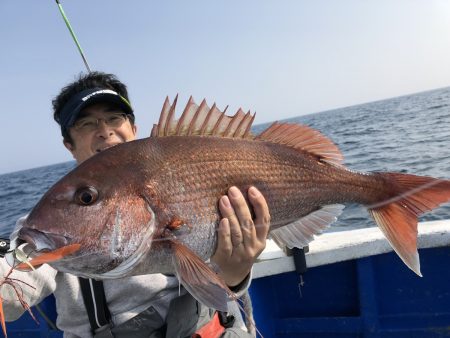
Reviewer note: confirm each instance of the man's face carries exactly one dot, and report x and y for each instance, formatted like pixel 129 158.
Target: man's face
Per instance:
pixel 86 143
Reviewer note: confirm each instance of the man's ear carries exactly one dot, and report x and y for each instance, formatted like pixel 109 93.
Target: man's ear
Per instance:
pixel 134 129
pixel 68 146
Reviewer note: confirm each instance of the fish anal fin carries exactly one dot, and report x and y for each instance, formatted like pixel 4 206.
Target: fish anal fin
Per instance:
pixel 202 121
pixel 303 138
pixel 299 233
pixel 199 279
pixel 397 216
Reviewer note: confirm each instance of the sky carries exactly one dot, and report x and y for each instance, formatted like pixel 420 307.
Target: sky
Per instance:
pixel 278 58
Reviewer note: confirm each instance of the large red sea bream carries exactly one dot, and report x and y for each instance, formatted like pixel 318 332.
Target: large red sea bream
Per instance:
pixel 151 205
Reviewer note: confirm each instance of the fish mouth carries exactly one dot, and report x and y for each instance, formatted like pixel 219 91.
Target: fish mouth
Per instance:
pixel 38 241
pixel 32 243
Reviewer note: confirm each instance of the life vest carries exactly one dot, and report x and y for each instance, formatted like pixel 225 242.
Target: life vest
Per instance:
pixel 213 329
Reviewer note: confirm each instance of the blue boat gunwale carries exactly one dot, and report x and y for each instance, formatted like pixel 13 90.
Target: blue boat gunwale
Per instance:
pixel 356 286
pixel 339 246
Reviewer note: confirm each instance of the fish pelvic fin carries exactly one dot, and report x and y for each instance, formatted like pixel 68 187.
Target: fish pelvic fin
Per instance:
pixel 199 279
pixel 202 121
pixel 299 233
pixel 397 216
pixel 303 138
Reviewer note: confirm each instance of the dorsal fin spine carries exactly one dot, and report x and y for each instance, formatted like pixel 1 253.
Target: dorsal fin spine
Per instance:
pixel 162 116
pixel 238 129
pixel 202 121
pixel 231 122
pixel 170 117
pixel 183 117
pixel 249 126
pixel 194 119
pixel 208 117
pixel 172 108
pixel 219 120
pixel 154 132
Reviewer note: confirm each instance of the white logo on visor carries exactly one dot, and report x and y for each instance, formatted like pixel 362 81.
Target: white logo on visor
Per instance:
pixel 103 91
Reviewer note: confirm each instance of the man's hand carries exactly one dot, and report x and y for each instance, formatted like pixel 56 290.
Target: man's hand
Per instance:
pixel 240 238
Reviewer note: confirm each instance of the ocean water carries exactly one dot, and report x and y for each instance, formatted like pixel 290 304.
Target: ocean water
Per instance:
pixel 409 134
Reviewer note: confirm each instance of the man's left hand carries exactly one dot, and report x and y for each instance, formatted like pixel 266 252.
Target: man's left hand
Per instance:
pixel 240 238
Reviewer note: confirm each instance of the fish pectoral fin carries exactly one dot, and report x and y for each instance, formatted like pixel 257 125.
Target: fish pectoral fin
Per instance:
pixel 299 233
pixel 199 279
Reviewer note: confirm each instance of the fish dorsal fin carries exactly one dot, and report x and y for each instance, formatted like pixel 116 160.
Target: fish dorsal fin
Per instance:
pixel 299 233
pixel 202 121
pixel 303 138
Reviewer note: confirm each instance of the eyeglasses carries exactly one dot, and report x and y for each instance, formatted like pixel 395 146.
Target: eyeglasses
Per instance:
pixel 90 123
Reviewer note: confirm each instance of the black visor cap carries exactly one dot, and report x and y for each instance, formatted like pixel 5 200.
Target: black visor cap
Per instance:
pixel 72 109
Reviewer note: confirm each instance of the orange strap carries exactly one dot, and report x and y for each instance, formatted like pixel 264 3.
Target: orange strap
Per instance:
pixel 211 330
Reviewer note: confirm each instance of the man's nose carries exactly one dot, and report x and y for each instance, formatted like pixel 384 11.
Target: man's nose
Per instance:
pixel 103 129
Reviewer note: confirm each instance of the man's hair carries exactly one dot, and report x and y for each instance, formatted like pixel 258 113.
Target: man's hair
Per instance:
pixel 87 81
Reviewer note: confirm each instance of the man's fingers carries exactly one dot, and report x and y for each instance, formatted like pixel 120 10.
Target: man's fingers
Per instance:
pixel 243 216
pixel 240 241
pixel 227 211
pixel 224 245
pixel 262 215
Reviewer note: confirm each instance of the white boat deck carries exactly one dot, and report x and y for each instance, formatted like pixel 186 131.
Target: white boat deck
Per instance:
pixel 341 246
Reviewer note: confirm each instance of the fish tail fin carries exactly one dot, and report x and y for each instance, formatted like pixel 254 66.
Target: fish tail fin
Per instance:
pixel 397 216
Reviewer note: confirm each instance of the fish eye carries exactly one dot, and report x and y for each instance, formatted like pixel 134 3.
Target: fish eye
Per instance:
pixel 86 196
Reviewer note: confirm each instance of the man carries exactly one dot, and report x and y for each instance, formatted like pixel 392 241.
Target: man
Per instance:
pixel 94 114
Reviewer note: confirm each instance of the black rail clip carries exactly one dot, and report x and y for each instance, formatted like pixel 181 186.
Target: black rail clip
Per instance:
pixel 4 246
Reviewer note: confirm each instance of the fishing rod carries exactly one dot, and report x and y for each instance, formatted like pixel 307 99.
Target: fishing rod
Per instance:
pixel 66 20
